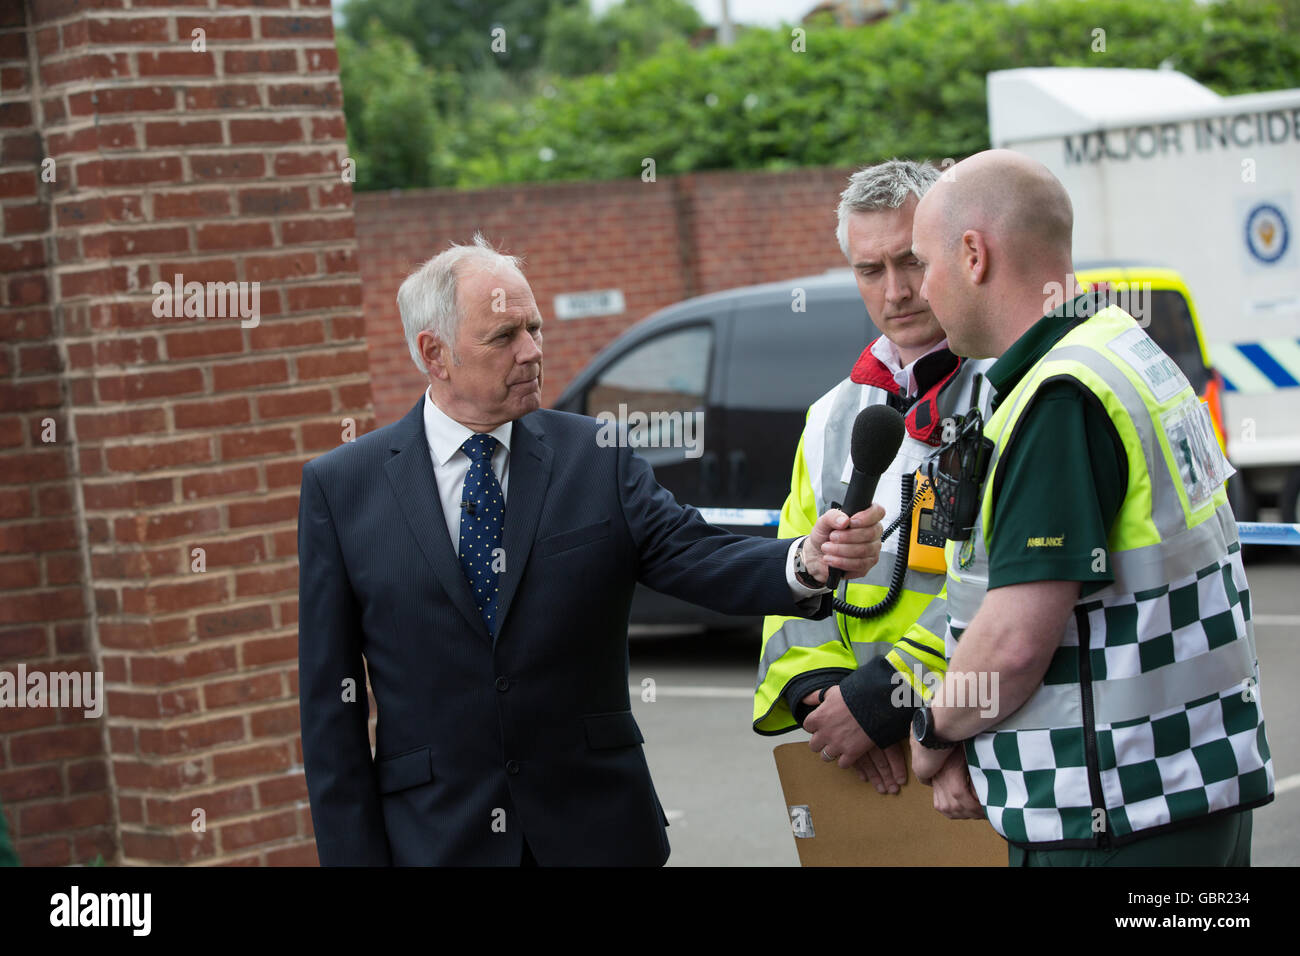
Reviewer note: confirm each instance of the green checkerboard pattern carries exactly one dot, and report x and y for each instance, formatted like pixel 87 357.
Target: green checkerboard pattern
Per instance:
pixel 1204 755
pixel 1139 633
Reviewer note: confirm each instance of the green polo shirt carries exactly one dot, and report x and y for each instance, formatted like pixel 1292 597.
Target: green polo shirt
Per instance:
pixel 1062 477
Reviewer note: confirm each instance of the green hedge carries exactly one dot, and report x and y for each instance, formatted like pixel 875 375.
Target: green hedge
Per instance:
pixel 912 85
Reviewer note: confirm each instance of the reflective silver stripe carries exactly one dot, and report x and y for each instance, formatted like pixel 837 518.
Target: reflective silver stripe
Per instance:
pixel 956 399
pixel 1250 639
pixel 1240 583
pixel 1173 685
pixel 1020 393
pixel 1130 698
pixel 1180 555
pixel 866 651
pixel 1051 706
pixel 934 618
pixel 796 633
pixel 965 596
pixel 1166 507
pixel 836 439
pixel 917 582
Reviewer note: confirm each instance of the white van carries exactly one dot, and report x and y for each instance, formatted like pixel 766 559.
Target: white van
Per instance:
pixel 1163 169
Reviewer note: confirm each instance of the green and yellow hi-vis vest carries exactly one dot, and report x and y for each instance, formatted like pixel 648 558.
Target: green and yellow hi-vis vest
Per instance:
pixel 1149 714
pixel 911 634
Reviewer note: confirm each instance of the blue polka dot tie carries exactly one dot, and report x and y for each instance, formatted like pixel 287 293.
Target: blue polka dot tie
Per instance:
pixel 483 511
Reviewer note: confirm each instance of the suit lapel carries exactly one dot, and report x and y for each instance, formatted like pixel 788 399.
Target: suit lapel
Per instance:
pixel 530 472
pixel 410 473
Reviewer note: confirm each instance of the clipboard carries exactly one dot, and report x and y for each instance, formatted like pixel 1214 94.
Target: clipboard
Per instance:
pixel 838 820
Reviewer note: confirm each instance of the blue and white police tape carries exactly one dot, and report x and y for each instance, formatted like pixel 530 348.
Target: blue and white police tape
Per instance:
pixel 742 517
pixel 1259 532
pixel 1250 532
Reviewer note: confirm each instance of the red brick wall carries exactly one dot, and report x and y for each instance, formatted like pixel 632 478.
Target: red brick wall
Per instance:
pixel 659 242
pixel 54 775
pixel 173 434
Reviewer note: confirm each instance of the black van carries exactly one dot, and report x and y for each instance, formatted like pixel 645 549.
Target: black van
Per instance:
pixel 752 360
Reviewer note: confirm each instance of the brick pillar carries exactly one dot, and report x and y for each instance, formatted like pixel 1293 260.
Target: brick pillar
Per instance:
pixel 54 778
pixel 163 522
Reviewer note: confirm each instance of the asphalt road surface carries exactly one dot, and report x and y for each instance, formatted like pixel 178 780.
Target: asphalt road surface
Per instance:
pixel 717 779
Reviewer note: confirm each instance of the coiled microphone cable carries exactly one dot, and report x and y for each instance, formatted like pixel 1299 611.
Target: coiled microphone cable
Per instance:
pixel 902 524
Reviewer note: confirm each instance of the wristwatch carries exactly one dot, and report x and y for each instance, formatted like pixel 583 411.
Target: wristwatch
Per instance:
pixel 923 730
pixel 801 572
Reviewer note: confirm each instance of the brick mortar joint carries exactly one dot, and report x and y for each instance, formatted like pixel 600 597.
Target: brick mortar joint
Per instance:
pixel 240 711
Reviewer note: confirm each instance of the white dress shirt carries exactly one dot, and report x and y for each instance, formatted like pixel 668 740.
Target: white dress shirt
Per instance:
pixel 450 466
pixel 904 375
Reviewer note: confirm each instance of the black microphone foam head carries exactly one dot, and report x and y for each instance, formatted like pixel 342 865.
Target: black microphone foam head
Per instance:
pixel 877 435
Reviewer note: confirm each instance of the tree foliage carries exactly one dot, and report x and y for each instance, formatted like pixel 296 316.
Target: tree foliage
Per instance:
pixel 389 103
pixel 578 43
pixel 912 85
pixel 457 34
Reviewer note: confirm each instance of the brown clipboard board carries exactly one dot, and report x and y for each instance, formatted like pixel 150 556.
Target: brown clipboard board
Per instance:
pixel 845 822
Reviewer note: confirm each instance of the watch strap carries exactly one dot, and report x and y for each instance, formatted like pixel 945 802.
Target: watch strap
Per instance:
pixel 801 572
pixel 924 718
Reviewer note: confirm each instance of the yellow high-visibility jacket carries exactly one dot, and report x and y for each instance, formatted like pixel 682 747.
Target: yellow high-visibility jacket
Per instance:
pixel 889 653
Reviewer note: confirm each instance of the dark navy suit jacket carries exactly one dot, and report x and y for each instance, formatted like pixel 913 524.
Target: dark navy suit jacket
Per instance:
pixel 485 739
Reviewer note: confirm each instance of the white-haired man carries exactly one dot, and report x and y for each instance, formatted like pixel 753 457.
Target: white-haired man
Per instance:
pixel 481 555
pixel 846 679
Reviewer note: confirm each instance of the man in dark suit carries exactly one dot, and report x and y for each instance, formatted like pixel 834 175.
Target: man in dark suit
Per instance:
pixel 481 555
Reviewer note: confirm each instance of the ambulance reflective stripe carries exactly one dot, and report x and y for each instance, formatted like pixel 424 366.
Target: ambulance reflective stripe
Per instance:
pixel 911 634
pixel 965 592
pixel 1150 704
pixel 1131 698
pixel 1263 366
pixel 1181 554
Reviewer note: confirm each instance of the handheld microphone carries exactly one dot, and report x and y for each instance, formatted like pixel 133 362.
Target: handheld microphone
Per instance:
pixel 877 435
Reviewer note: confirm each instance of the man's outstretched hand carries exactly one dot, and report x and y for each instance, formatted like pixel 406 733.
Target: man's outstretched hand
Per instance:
pixel 853 545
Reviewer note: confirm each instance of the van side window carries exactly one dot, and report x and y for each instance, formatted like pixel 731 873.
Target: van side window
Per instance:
pixel 785 360
pixel 664 379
